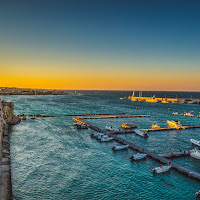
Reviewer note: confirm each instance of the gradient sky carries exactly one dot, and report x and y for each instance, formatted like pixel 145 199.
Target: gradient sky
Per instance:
pixel 97 44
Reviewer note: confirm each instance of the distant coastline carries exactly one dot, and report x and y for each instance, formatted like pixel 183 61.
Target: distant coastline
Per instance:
pixel 28 91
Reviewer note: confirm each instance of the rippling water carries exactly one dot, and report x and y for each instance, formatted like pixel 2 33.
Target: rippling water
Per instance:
pixel 51 159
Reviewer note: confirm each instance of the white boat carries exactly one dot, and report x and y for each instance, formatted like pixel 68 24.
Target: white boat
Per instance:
pixel 82 126
pixel 106 139
pixel 188 114
pixel 175 113
pixel 138 156
pixel 94 135
pixel 155 126
pixel 197 194
pixel 110 128
pixel 195 154
pixel 99 136
pixel 141 133
pixel 174 124
pixel 122 147
pixel 196 142
pixel 161 169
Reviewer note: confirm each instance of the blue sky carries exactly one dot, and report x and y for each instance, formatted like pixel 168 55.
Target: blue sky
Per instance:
pixel 158 35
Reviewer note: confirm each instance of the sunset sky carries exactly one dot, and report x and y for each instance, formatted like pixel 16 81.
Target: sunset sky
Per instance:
pixel 97 44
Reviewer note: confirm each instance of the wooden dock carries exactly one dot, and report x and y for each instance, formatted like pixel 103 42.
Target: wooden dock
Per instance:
pixel 176 154
pixel 160 158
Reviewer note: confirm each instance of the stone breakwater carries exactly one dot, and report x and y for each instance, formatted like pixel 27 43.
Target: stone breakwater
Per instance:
pixel 6 119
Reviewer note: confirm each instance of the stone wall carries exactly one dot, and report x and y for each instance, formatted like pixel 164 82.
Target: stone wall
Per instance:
pixel 6 118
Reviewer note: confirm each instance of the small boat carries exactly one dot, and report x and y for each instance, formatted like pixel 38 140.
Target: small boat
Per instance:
pixel 138 156
pixel 99 136
pixel 196 142
pixel 155 126
pixel 198 115
pixel 188 114
pixel 128 125
pixel 110 128
pixel 94 135
pixel 197 194
pixel 161 169
pixel 33 118
pixel 174 124
pixel 141 133
pixel 122 147
pixel 181 114
pixel 106 139
pixel 76 124
pixel 82 126
pixel 175 113
pixel 195 154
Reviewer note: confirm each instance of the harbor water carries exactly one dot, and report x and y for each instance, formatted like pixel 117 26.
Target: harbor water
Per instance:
pixel 51 159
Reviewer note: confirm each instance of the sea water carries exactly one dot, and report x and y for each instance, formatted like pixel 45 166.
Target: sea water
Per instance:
pixel 51 159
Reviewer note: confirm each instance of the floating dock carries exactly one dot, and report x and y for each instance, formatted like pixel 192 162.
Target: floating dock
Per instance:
pixel 169 129
pixel 160 158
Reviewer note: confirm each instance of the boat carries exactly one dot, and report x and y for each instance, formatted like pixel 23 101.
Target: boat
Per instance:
pixel 155 126
pixel 122 147
pixel 94 135
pixel 161 169
pixel 181 114
pixel 174 124
pixel 141 133
pixel 99 136
pixel 138 156
pixel 175 113
pixel 195 154
pixel 82 126
pixel 128 125
pixel 196 142
pixel 106 139
pixel 76 124
pixel 197 194
pixel 198 115
pixel 188 114
pixel 110 128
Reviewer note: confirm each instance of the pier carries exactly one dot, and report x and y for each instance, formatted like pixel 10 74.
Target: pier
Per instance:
pixel 158 157
pixel 169 129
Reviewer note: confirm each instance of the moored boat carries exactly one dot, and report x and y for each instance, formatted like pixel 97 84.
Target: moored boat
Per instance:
pixel 128 125
pixel 188 114
pixel 197 194
pixel 82 126
pixel 106 139
pixel 138 156
pixel 122 147
pixel 196 142
pixel 155 126
pixel 94 135
pixel 195 154
pixel 161 169
pixel 141 133
pixel 110 128
pixel 175 113
pixel 174 124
